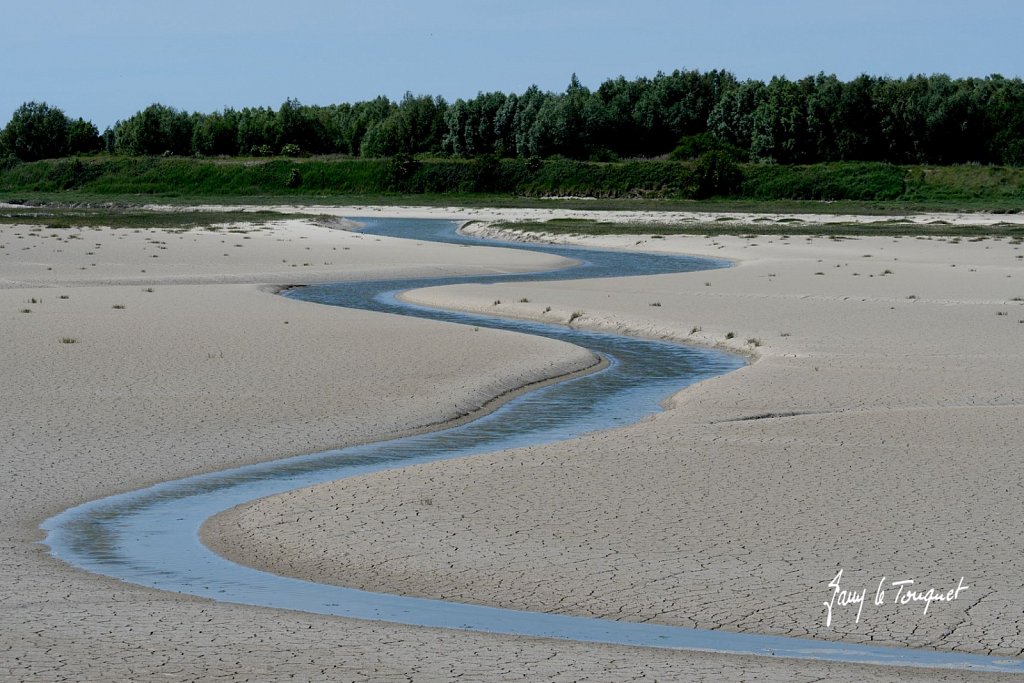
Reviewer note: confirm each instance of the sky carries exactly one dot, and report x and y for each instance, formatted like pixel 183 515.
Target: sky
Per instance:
pixel 104 60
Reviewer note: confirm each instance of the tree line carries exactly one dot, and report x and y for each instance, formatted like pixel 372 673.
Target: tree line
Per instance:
pixel 681 115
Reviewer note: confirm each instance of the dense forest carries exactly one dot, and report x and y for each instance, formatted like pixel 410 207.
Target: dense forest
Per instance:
pixel 682 115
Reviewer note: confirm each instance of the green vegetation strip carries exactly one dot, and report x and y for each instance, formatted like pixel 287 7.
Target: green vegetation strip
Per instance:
pixel 57 218
pixel 858 187
pixel 724 226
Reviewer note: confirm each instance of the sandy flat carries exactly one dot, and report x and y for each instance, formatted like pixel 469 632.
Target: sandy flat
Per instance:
pixel 875 432
pixel 726 218
pixel 209 370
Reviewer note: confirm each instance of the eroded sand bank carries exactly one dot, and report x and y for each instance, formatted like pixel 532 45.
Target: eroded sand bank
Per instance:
pixel 206 374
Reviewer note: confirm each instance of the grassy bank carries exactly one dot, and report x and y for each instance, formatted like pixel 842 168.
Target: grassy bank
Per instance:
pixel 649 184
pixel 54 217
pixel 790 227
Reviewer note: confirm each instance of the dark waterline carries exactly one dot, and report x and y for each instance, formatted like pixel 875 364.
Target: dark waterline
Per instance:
pixel 151 537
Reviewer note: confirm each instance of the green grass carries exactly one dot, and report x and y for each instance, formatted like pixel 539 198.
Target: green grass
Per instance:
pixel 63 217
pixel 881 227
pixel 860 187
pixel 489 200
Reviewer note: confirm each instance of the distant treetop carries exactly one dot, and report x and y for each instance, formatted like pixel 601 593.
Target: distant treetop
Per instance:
pixel 684 114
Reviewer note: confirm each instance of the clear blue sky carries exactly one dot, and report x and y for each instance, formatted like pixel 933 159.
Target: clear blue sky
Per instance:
pixel 106 59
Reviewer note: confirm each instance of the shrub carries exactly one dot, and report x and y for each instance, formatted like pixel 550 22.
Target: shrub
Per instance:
pixel 716 174
pixel 696 146
pixel 36 131
pixel 400 168
pixel 846 180
pixel 486 171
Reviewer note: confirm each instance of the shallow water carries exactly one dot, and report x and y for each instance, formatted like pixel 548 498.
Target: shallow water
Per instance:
pixel 151 537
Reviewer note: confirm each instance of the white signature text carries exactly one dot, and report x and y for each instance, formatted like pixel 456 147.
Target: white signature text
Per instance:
pixel 905 594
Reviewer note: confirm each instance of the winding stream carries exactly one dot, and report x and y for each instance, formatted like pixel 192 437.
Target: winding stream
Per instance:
pixel 151 536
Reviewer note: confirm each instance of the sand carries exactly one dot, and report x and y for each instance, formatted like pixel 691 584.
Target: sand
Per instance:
pixel 725 218
pixel 210 370
pixel 874 432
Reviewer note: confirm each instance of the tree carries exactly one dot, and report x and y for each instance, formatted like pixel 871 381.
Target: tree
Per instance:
pixel 472 126
pixel 1005 121
pixel 780 124
pixel 257 130
pixel 364 116
pixel 216 134
pixel 903 118
pixel 732 119
pixel 83 137
pixel 563 123
pixel 505 127
pixel 858 132
pixel 157 129
pixel 295 126
pixel 621 130
pixel 384 138
pixel 529 105
pixel 416 125
pixel 36 131
pixel 676 105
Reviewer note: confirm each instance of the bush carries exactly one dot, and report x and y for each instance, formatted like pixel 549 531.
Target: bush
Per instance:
pixel 864 181
pixel 294 179
pixel 400 168
pixel 696 146
pixel 73 174
pixel 716 174
pixel 486 170
pixel 291 150
pixel 36 131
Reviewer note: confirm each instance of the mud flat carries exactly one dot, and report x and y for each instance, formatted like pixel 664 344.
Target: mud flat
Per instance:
pixel 874 433
pixel 209 371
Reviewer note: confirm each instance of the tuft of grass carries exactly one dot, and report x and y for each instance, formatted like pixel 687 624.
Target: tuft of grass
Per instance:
pixel 148 289
pixel 547 310
pixel 497 302
pixel 575 315
pixel 118 307
pixel 695 329
pixel 68 340
pixel 754 341
pixel 25 310
pixel 656 304
pixel 730 335
pixel 64 296
pixel 524 300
